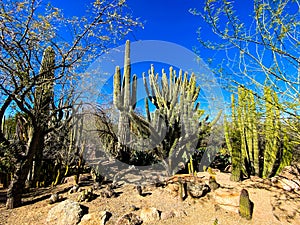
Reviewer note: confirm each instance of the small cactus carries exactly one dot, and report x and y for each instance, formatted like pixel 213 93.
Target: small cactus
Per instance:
pixel 213 183
pixel 246 206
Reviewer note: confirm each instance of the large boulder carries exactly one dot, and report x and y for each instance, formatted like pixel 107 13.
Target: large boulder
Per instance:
pixel 67 212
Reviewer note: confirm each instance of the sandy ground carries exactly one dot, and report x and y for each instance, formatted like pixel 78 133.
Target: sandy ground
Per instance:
pixel 271 205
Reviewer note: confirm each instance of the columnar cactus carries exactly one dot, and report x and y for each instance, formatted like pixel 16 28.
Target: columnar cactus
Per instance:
pixel 242 138
pixel 124 101
pixel 43 100
pixel 44 90
pixel 176 126
pixel 246 206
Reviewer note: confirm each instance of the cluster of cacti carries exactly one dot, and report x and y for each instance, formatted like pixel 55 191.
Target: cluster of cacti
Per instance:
pixel 173 130
pixel 176 126
pixel 249 154
pixel 124 101
pixel 86 195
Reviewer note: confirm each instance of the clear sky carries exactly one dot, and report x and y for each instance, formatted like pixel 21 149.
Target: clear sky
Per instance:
pixel 165 20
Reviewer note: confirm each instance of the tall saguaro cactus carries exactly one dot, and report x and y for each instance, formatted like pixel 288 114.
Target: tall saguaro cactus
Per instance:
pixel 43 100
pixel 124 101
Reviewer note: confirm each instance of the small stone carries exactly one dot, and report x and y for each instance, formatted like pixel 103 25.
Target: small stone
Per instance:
pixel 284 183
pixel 53 198
pixel 213 184
pixel 197 190
pixel 129 219
pixel 74 189
pixel 95 218
pixel 179 213
pixel 167 215
pixel 149 214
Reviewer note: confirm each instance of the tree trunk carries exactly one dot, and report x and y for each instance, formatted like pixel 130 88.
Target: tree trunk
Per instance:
pixel 16 187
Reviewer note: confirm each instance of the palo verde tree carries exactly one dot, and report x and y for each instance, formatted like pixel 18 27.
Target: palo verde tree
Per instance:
pixel 262 49
pixel 29 29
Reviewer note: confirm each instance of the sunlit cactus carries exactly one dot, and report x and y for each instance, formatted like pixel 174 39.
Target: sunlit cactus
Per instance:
pixel 246 206
pixel 124 101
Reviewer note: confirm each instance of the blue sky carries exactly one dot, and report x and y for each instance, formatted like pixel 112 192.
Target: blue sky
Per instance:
pixel 165 20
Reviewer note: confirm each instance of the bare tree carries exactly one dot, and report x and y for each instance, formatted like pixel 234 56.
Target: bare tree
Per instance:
pixel 27 29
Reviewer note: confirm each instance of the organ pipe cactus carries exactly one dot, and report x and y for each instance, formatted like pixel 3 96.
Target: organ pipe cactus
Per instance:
pixel 249 155
pixel 176 126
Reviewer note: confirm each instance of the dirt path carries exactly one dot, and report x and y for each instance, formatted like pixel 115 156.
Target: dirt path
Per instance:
pixel 271 206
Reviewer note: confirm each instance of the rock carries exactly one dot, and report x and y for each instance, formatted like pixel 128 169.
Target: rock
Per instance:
pixel 53 198
pixel 96 218
pixel 197 189
pixel 66 212
pixel 285 184
pixel 167 215
pixel 288 179
pixel 179 213
pixel 108 192
pixel 173 189
pixel 227 199
pixel 69 180
pixel 149 214
pixel 129 219
pixel 171 214
pixel 213 184
pixel 74 189
pixel 85 177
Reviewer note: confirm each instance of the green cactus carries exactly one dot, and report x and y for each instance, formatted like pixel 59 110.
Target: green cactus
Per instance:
pixel 177 121
pixel 232 144
pixel 242 137
pixel 43 100
pixel 245 206
pixel 124 101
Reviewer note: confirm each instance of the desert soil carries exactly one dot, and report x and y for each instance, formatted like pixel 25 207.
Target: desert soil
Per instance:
pixel 271 205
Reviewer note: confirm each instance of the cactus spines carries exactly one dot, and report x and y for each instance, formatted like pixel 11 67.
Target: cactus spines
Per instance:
pixel 246 206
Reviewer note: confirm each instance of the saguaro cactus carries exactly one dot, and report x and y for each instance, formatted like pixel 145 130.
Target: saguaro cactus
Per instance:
pixel 124 101
pixel 43 100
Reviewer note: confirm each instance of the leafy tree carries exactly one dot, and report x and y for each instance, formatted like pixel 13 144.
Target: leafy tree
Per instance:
pixel 260 49
pixel 27 28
